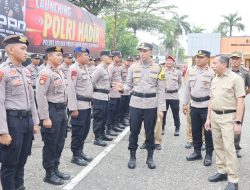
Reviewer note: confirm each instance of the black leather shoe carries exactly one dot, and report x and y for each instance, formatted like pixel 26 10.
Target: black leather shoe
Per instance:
pixel 177 132
pixel 188 145
pixel 61 174
pixel 111 133
pixel 208 160
pixel 217 177
pixel 116 129
pixel 157 146
pixel 143 146
pixel 21 187
pixel 86 157
pixel 99 142
pixel 132 160
pixel 106 138
pixel 238 154
pixel 78 160
pixel 232 186
pixel 194 156
pixel 53 179
pixel 150 160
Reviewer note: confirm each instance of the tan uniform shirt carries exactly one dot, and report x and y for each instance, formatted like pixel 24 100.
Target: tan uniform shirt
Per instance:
pixel 34 73
pixel 41 67
pixel 101 80
pixel 173 82
pixel 115 76
pixel 146 78
pixel 16 93
pixel 225 90
pixel 124 73
pixel 79 83
pixel 65 69
pixel 90 68
pixel 198 85
pixel 245 76
pixel 50 87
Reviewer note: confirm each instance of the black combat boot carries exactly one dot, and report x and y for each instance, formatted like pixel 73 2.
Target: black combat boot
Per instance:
pixel 125 122
pixel 52 178
pixel 61 175
pixel 132 160
pixel 150 161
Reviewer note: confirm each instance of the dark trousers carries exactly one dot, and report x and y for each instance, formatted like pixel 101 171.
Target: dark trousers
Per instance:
pixel 198 119
pixel 138 115
pixel 175 108
pixel 80 130
pixel 54 137
pixel 113 112
pixel 100 108
pixel 124 105
pixel 14 156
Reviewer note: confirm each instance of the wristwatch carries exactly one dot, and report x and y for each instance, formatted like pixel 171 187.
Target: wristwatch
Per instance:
pixel 238 122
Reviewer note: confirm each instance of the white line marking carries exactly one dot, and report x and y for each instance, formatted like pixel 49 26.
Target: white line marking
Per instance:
pixel 84 172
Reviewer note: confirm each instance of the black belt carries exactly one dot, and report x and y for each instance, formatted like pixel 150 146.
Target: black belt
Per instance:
pixel 224 111
pixel 34 87
pixel 58 105
pixel 144 95
pixel 202 99
pixel 101 90
pixel 171 91
pixel 19 113
pixel 83 98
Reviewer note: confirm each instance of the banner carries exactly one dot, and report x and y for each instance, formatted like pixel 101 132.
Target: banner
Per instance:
pixel 56 23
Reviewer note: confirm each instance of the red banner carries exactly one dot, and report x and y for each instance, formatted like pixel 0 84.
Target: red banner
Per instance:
pixel 60 23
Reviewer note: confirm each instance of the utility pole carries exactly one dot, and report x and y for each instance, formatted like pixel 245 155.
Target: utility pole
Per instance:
pixel 115 27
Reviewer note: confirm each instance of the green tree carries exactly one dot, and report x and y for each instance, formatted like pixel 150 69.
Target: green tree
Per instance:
pixel 126 42
pixel 197 29
pixel 230 22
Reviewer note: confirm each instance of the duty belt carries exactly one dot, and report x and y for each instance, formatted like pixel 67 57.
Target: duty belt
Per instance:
pixel 19 113
pixel 101 90
pixel 83 98
pixel 58 105
pixel 202 99
pixel 224 111
pixel 144 95
pixel 34 87
pixel 171 91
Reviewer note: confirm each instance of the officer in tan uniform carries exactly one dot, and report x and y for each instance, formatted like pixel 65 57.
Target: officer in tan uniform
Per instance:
pixel 224 118
pixel 18 113
pixel 80 92
pixel 101 85
pixel 51 101
pixel 67 62
pixel 113 118
pixel 173 84
pixel 197 89
pixel 43 65
pixel 235 62
pixel 33 68
pixel 91 65
pixel 147 81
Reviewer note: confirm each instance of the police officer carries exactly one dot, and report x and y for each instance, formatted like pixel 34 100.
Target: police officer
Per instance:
pixel 146 79
pixel 224 117
pixel 51 100
pixel 80 92
pixel 197 89
pixel 91 65
pixel 18 114
pixel 113 117
pixel 43 65
pixel 33 68
pixel 125 96
pixel 101 85
pixel 235 62
pixel 173 84
pixel 67 62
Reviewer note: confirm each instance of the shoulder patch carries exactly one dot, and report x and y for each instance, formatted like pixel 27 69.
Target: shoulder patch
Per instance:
pixel 73 74
pixel 161 75
pixel 1 75
pixel 43 78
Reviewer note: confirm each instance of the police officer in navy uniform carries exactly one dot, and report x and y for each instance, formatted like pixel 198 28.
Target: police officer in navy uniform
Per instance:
pixel 80 92
pixel 18 114
pixel 101 85
pixel 51 100
pixel 147 81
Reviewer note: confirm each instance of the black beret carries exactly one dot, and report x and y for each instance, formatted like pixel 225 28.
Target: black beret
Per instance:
pixel 202 53
pixel 117 53
pixel 35 55
pixel 129 58
pixel 53 49
pixel 137 56
pixel 15 39
pixel 107 53
pixel 145 46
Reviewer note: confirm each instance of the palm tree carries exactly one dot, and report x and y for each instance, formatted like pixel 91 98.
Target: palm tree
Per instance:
pixel 197 29
pixel 232 21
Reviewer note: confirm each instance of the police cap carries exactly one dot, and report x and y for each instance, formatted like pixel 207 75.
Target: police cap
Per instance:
pixel 53 49
pixel 203 53
pixel 145 46
pixel 15 39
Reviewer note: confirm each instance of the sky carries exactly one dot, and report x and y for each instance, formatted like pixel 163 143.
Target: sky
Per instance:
pixel 207 14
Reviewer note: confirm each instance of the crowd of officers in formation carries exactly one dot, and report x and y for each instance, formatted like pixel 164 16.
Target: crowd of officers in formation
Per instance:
pixel 116 95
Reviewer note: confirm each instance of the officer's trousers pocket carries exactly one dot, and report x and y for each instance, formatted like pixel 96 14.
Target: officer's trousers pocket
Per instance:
pixel 9 154
pixel 98 112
